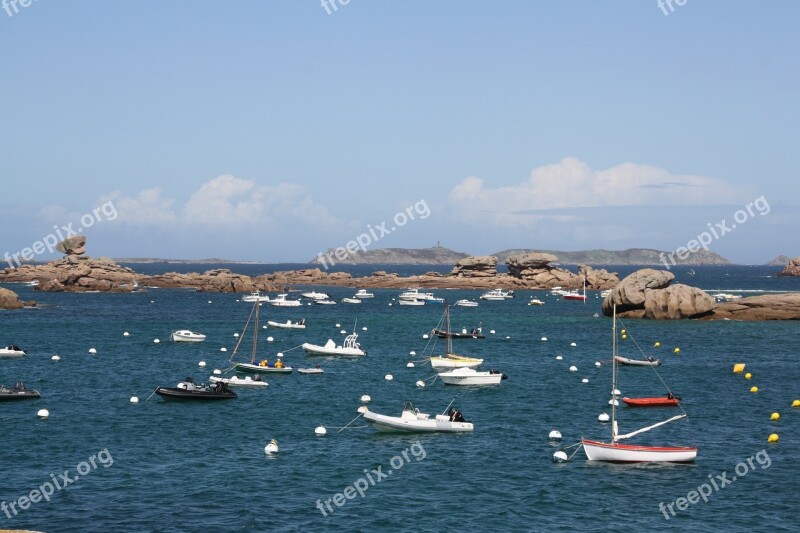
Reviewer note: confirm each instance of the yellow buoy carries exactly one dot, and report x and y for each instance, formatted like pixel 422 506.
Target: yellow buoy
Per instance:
pixel 624 336
pixel 775 416
pixel 754 389
pixel 796 403
pixel 623 331
pixel 657 344
pixel 738 368
pixel 773 438
pixel 748 375
pixel 677 350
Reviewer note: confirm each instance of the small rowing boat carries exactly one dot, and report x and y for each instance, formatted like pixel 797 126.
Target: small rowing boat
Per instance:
pixel 659 401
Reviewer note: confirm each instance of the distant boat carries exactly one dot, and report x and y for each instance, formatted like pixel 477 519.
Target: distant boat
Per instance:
pixel 247 382
pixel 536 302
pixel 497 294
pixel 252 368
pixel 324 302
pixel 659 401
pixel 299 324
pixel 313 295
pixel 314 370
pixel 411 302
pixel 362 293
pixel 411 420
pixel 349 347
pixel 351 301
pixel 470 376
pixel 637 362
pixel 414 294
pixel 474 333
pixel 575 295
pixel 188 390
pixel 615 452
pixel 282 301
pixel 12 351
pixel 184 335
pixel 466 303
pixel 451 360
pixel 19 392
pixel 255 296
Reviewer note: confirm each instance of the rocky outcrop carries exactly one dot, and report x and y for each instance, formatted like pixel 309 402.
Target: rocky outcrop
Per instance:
pixel 647 294
pixel 766 307
pixel 72 245
pixel 76 273
pixel 10 300
pixel 598 278
pixel 676 302
pixel 535 271
pixel 792 268
pixel 217 280
pixel 478 266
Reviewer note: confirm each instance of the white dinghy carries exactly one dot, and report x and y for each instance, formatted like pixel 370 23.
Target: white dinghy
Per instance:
pixel 411 420
pixel 350 347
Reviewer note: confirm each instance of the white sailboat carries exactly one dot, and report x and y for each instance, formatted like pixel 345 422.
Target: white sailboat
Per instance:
pixel 451 360
pixel 263 367
pixel 615 452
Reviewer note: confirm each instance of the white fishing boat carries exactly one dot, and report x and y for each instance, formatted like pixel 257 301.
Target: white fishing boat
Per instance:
pixel 282 300
pixel 411 420
pixel 314 295
pixel 363 293
pixel 351 301
pixel 255 296
pixel 12 351
pixel 637 362
pixel 299 324
pixel 536 301
pixel 497 295
pixel 466 303
pixel 414 303
pixel 184 335
pixel 415 294
pixel 615 452
pixel 470 376
pixel 314 370
pixel 263 367
pixel 349 347
pixel 246 382
pixel 324 302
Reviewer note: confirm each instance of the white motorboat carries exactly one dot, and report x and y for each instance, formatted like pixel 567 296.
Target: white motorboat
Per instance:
pixel 362 293
pixel 184 335
pixel 726 297
pixel 637 362
pixel 313 295
pixel 497 294
pixel 314 370
pixel 324 302
pixel 282 301
pixel 470 376
pixel 12 351
pixel 245 382
pixel 454 361
pixel 351 301
pixel 466 303
pixel 411 420
pixel 255 296
pixel 414 294
pixel 536 301
pixel 411 302
pixel 350 347
pixel 300 324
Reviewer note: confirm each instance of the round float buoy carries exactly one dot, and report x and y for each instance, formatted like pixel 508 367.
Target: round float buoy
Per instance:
pixel 773 438
pixel 134 399
pixel 388 377
pixel 272 447
pixel 223 349
pixel 623 332
pixel 775 416
pixel 390 304
pixel 344 331
pixel 366 399
pixel 43 413
pixel 554 435
pixel 491 331
pixel 420 384
pixel 152 301
pixel 613 402
pixel 217 372
pixel 362 409
pixel 364 328
pixel 92 351
pixel 507 337
pixel 603 417
pixel 657 344
pixel 126 334
pixel 616 392
pixel 544 339
pixel 56 357
pixel 425 336
pixel 676 350
pixel 235 335
pixel 573 368
pixel 409 365
pixel 796 403
pixel 560 457
pixel 156 341
pixel 263 327
pixel 338 325
pixel 585 380
pixel 279 354
pixel 754 389
pixel 624 336
pixel 201 364
pixel 320 431
pixel 412 352
pixel 597 364
pixel 559 358
pixel 209 301
pixel 748 376
pixel 573 344
pixel 270 339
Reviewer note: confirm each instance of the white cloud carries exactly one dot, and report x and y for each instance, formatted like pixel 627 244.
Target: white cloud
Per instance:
pixel 572 184
pixel 146 208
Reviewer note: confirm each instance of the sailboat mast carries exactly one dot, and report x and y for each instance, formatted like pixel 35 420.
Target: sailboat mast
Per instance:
pixel 255 336
pixel 584 289
pixel 449 343
pixel 614 378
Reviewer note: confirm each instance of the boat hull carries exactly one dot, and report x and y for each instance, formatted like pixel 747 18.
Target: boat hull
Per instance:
pixel 651 402
pixel 12 395
pixel 241 383
pixel 443 335
pixel 491 379
pixel 175 393
pixel 256 369
pixel 314 349
pixel 11 354
pixel 626 453
pixel 396 424
pixel 637 362
pixel 285 325
pixel 452 362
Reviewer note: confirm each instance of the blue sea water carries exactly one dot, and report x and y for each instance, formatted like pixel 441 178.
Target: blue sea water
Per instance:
pixel 199 466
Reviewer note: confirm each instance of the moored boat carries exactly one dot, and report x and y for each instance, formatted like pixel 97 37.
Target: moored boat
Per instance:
pixel 637 362
pixel 314 295
pixel 282 300
pixel 658 401
pixel 188 390
pixel 536 301
pixel 349 347
pixel 184 335
pixel 466 303
pixel 497 294
pixel 411 420
pixel 313 370
pixel 474 333
pixel 351 300
pixel 18 392
pixel 11 351
pixel 363 293
pixel 254 382
pixel 411 302
pixel 255 296
pixel 299 324
pixel 470 376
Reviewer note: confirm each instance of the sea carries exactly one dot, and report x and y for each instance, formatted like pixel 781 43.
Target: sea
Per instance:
pixel 102 463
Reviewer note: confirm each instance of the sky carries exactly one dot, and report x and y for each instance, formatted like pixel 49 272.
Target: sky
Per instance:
pixel 271 131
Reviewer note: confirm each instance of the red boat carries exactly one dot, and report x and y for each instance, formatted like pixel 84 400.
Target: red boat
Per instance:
pixel 660 401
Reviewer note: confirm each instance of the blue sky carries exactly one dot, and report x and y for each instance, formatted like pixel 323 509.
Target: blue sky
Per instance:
pixel 271 131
